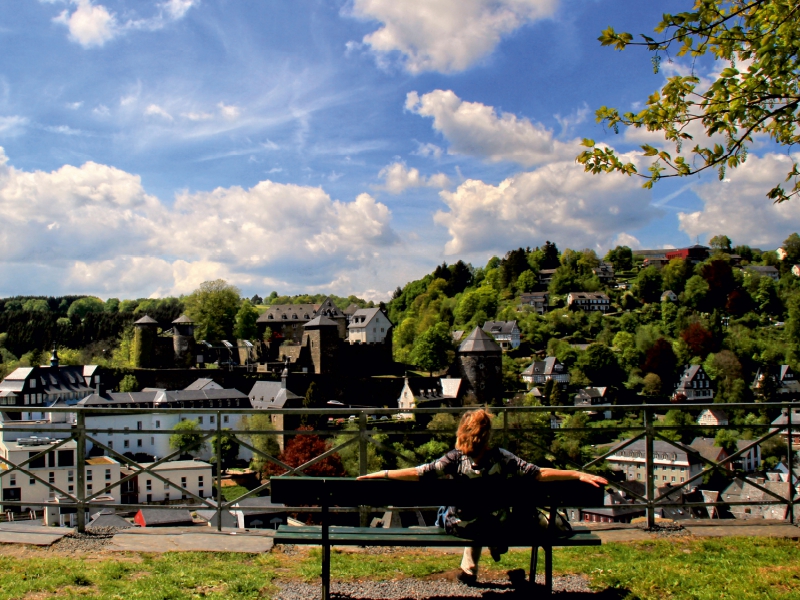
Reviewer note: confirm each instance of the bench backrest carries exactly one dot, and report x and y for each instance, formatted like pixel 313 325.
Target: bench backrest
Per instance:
pixel 486 492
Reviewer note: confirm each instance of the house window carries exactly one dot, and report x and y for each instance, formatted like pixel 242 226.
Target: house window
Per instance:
pixel 88 487
pixel 108 474
pixel 12 481
pixel 88 474
pixel 51 477
pixel 166 485
pixel 183 482
pixel 166 497
pixel 139 425
pixel 31 482
pixel 200 492
pixel 211 419
pixel 149 497
pixel 158 424
pixel 138 443
pixel 149 485
pixel 200 480
pixel 70 476
pixel 199 420
pixel 225 419
pixel 126 444
pixel 110 445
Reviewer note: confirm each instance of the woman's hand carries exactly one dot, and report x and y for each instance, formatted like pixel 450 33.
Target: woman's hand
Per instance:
pixel 594 480
pixel 375 475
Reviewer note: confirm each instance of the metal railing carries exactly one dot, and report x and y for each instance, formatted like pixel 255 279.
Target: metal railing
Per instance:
pixel 512 426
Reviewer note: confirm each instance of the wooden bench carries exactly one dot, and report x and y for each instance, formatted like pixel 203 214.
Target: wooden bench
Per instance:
pixel 347 492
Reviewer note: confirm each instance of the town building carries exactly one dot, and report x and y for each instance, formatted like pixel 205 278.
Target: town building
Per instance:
pixel 670 464
pixel 287 321
pixel 192 476
pixel 589 301
pixel 540 301
pixel 782 421
pixel 505 333
pixel 368 326
pixel 546 276
pixel 742 491
pixel 604 272
pixel 783 375
pixel 43 385
pixel 693 254
pixel 764 271
pixel 428 392
pixel 540 371
pixel 712 417
pixel 694 384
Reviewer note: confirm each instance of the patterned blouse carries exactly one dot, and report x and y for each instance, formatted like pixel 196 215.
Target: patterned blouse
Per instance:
pixel 496 462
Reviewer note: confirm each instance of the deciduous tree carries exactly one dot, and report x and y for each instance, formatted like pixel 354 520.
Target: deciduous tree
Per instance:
pixel 213 307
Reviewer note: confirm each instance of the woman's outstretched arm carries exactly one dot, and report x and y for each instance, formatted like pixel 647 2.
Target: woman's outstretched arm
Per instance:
pixel 547 474
pixel 405 474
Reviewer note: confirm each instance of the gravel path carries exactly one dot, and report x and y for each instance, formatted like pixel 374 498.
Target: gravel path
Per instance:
pixel 569 586
pixel 93 540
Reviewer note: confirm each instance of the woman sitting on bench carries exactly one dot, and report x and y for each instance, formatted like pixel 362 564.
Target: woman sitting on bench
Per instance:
pixel 474 458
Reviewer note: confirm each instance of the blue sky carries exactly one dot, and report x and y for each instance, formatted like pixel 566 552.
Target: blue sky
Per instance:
pixel 329 146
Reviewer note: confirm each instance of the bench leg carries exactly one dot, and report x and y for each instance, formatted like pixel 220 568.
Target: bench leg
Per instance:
pixel 326 555
pixel 534 563
pixel 548 569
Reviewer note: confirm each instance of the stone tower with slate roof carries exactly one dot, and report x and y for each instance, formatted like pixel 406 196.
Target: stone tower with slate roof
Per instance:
pixel 144 342
pixel 183 343
pixel 322 337
pixel 480 365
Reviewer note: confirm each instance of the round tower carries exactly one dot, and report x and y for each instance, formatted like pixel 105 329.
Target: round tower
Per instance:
pixel 480 364
pixel 183 343
pixel 145 332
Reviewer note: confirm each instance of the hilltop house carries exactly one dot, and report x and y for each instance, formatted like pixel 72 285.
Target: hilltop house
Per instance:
pixel 783 375
pixel 694 384
pixel 368 326
pixel 604 272
pixel 589 301
pixel 428 392
pixel 540 371
pixel 538 300
pixel 505 333
pixel 764 271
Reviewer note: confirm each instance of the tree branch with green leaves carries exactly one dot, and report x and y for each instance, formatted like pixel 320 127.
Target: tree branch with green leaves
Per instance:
pixel 756 95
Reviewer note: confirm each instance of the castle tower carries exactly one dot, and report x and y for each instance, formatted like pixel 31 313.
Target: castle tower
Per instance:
pixel 323 344
pixel 480 364
pixel 183 343
pixel 144 342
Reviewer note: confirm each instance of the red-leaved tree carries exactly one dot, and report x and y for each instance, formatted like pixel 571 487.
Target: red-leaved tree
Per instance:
pixel 699 339
pixel 305 447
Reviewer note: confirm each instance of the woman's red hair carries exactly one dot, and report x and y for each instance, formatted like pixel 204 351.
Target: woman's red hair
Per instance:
pixel 473 431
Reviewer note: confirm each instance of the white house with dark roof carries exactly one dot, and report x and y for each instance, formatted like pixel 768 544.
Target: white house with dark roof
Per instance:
pixel 428 392
pixel 589 301
pixel 670 464
pixel 783 375
pixel 540 371
pixel 368 326
pixel 764 271
pixel 695 384
pixel 540 301
pixel 712 417
pixel 604 272
pixel 505 333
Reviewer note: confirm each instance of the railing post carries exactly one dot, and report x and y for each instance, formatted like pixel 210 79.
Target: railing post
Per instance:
pixel 219 471
pixel 649 470
pixel 81 469
pixel 790 454
pixel 505 427
pixel 362 461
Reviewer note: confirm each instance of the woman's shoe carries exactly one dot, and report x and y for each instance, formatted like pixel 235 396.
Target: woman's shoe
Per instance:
pixel 466 578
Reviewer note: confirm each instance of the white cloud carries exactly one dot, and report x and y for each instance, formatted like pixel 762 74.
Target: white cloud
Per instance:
pixel 92 25
pixel 101 110
pixel 74 105
pixel 625 239
pixel 398 178
pixel 156 110
pixel 14 125
pixel 558 201
pixel 198 116
pixel 476 129
pixel 229 112
pixel 428 149
pixel 102 232
pixel 89 25
pixel 444 35
pixel 738 206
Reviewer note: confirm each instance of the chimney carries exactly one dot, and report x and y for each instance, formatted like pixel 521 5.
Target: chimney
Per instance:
pixel 54 357
pixel 99 389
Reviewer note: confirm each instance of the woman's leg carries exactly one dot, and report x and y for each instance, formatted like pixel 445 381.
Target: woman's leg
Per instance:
pixel 469 562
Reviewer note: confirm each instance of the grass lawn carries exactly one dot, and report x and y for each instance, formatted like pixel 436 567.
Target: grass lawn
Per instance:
pixel 737 568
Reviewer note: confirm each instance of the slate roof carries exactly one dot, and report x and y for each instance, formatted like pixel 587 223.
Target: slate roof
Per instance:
pixel 258 506
pixel 500 327
pixel 545 367
pixel 707 449
pixel 108 518
pixel 182 319
pixel 49 380
pixel 146 320
pixel 272 394
pixel 480 343
pixel 350 310
pixel 742 491
pixel 363 316
pixel 202 383
pixel 320 321
pixel 155 517
pixel 300 312
pixel 169 399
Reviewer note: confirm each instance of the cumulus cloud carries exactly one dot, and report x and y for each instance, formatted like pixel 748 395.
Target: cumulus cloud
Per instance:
pixel 556 201
pixel 89 25
pixel 105 233
pixel 738 206
pixel 444 35
pixel 476 129
pixel 625 239
pixel 229 112
pixel 398 178
pixel 428 149
pixel 92 25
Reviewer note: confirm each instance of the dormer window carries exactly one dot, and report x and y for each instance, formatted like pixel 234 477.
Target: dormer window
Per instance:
pixel 270 317
pixel 283 317
pixel 294 316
